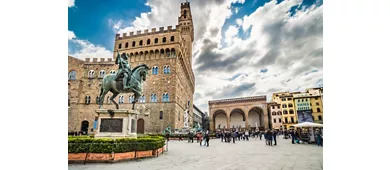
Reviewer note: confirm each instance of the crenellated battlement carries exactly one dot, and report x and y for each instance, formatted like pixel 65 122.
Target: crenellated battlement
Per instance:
pixel 96 61
pixel 146 32
pixel 185 5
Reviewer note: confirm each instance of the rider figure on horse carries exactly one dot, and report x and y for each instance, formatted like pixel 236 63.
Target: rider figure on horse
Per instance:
pixel 124 68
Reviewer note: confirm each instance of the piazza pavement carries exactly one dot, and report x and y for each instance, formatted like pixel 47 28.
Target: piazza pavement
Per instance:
pixel 243 155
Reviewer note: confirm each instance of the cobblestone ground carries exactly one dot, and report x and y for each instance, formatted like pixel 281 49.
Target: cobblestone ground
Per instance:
pixel 243 155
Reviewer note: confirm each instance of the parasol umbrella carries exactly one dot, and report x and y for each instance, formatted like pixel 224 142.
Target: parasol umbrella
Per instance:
pixel 308 124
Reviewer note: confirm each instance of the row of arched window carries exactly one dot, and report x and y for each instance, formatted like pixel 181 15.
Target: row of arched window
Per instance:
pixel 285 106
pixel 167 70
pixel 277 113
pixel 121 99
pixel 148 42
pixel 291 111
pixel 102 73
pixel 164 52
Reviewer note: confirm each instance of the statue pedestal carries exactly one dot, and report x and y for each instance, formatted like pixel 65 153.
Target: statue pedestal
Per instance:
pixel 116 123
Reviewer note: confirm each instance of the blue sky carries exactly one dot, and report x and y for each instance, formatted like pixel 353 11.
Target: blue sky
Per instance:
pixel 262 45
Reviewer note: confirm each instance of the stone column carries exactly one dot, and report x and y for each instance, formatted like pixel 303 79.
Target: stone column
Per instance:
pixel 228 122
pixel 265 118
pixel 212 126
pixel 246 121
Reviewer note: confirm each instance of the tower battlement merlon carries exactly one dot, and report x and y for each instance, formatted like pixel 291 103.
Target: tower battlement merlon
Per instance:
pixel 145 32
pixel 185 5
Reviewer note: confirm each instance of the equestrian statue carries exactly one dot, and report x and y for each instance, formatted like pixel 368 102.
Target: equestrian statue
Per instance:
pixel 127 80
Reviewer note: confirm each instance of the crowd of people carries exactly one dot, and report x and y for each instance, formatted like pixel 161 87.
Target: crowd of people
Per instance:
pixel 304 135
pixel 270 136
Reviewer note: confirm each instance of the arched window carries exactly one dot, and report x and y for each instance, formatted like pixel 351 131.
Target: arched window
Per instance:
pixel 91 73
pixel 120 46
pixel 148 42
pixel 156 40
pixel 318 110
pixel 127 45
pixel 291 111
pixel 72 75
pixel 165 97
pixel 320 117
pixel 97 99
pixel 284 105
pixel 164 40
pixel 167 70
pixel 172 38
pixel 168 52
pixel 279 113
pixel 155 70
pixel 112 72
pixel 102 73
pixel 131 99
pixel 142 99
pixel 185 14
pixel 120 100
pixel 153 98
pixel 173 52
pixel 290 105
pixel 133 44
pixel 284 111
pixel 161 114
pixel 273 113
pixel 140 43
pixel 87 99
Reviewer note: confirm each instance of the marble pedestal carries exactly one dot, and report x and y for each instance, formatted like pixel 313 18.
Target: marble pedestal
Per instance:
pixel 117 123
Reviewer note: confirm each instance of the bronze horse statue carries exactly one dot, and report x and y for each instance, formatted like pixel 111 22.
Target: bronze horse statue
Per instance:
pixel 138 75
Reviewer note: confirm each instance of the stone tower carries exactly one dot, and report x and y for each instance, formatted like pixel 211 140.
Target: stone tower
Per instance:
pixel 187 28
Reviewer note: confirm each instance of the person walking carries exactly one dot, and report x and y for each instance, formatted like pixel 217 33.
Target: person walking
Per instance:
pixel 247 135
pixel 190 137
pixel 234 136
pixel 297 137
pixel 261 134
pixel 207 138
pixel 221 136
pixel 269 137
pixel 206 133
pixel 318 137
pixel 292 136
pixel 274 134
pixel 200 138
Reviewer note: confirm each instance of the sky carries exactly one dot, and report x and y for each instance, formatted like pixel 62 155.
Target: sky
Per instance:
pixel 241 48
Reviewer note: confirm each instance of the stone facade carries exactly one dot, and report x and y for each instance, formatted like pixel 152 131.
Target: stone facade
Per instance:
pixel 276 115
pixel 245 112
pixel 285 99
pixel 167 51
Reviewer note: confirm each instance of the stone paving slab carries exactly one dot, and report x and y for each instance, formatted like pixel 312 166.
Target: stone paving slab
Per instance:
pixel 243 155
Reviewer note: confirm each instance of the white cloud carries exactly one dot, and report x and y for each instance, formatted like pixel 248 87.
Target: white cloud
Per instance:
pixel 230 33
pixel 86 49
pixel 70 3
pixel 236 9
pixel 71 35
pixel 287 46
pixel 239 21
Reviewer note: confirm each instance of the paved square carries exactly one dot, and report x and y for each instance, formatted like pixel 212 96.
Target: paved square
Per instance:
pixel 243 155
